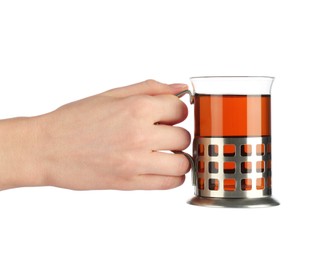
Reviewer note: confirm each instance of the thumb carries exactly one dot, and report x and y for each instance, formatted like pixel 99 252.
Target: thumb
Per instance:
pixel 148 87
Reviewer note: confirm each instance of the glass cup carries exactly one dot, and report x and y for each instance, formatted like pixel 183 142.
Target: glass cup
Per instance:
pixel 231 161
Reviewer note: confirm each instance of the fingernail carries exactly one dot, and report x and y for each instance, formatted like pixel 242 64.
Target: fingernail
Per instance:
pixel 179 86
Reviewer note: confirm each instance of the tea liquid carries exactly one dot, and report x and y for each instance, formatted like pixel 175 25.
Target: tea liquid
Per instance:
pixel 232 115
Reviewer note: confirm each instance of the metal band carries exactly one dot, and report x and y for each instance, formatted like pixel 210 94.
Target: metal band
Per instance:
pixel 232 167
pixel 191 96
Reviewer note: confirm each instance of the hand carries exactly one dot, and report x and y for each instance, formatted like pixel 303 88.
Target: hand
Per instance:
pixel 113 140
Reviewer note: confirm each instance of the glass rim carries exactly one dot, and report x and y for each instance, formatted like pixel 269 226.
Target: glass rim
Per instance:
pixel 232 85
pixel 204 77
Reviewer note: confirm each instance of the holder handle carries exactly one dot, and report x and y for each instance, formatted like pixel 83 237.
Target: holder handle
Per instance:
pixel 189 157
pixel 191 96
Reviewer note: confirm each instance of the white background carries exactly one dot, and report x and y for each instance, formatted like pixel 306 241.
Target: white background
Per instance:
pixel 54 52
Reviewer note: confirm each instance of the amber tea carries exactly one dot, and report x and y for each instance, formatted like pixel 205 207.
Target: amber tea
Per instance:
pixel 232 115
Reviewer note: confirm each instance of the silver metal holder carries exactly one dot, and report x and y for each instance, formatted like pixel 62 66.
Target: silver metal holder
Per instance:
pixel 234 203
pixel 232 172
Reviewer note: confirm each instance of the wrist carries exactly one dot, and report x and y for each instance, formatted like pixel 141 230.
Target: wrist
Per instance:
pixel 20 153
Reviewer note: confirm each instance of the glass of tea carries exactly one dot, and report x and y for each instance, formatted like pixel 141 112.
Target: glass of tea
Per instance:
pixel 232 164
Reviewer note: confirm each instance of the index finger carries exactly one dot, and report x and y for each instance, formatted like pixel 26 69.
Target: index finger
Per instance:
pixel 148 87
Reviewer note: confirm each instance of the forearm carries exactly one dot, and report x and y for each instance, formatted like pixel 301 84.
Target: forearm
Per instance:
pixel 19 152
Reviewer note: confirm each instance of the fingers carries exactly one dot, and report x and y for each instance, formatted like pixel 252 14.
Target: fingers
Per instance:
pixel 163 109
pixel 148 87
pixel 157 182
pixel 156 99
pixel 169 110
pixel 167 172
pixel 164 137
pixel 165 164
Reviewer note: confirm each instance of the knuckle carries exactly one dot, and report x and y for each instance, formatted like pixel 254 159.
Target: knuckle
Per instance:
pixel 151 82
pixel 139 138
pixel 141 106
pixel 131 164
pixel 120 163
pixel 127 164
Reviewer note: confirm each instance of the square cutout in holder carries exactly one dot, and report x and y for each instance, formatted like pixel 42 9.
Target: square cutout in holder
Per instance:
pixel 246 167
pixel 201 150
pixel 260 149
pixel 246 150
pixel 229 184
pixel 213 150
pixel 201 166
pixel 229 150
pixel 229 167
pixel 213 184
pixel 260 183
pixel 201 183
pixel 246 184
pixel 260 166
pixel 213 167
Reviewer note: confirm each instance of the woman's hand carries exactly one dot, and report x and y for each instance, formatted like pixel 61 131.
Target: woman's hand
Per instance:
pixel 113 140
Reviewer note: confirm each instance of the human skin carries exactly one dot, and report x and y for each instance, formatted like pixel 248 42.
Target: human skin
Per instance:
pixel 114 140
